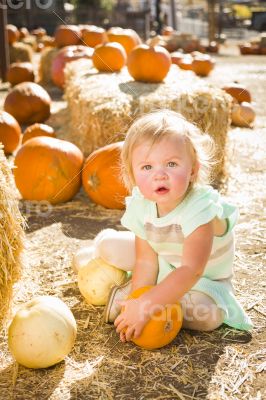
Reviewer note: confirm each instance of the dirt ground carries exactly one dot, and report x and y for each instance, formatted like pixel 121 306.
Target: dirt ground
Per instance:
pixel 225 364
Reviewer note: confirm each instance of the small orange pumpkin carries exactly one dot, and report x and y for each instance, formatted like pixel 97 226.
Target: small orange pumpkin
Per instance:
pixel 10 132
pixel 243 115
pixel 149 63
pixel 64 56
pixel 48 169
pixel 167 30
pixel 12 33
pixel 176 57
pixel 202 65
pixel 101 177
pixel 37 130
pixel 128 38
pixel 94 35
pixel 186 63
pixel 162 328
pixel 67 35
pixel 109 57
pixel 23 32
pixel 28 102
pixel 238 92
pixel 20 72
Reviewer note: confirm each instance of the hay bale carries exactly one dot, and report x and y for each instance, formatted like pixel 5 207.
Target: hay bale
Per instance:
pixel 46 59
pixel 101 106
pixel 11 234
pixel 19 51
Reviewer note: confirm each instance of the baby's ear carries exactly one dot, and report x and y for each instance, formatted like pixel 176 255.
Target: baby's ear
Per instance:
pixel 195 171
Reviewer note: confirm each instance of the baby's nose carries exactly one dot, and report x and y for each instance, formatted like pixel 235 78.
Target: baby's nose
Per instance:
pixel 160 173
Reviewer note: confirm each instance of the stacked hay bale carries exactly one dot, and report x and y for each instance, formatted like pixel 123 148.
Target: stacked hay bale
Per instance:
pixel 45 65
pixel 102 106
pixel 11 234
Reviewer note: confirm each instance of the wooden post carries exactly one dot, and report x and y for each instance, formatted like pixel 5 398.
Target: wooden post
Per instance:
pixel 4 49
pixel 173 13
pixel 211 19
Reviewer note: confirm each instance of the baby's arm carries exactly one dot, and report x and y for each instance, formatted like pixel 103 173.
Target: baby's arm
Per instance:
pixel 145 271
pixel 196 252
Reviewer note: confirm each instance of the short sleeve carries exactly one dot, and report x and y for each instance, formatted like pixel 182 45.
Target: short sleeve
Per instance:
pixel 202 206
pixel 133 218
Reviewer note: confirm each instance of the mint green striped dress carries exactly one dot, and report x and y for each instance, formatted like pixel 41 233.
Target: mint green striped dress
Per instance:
pixel 166 236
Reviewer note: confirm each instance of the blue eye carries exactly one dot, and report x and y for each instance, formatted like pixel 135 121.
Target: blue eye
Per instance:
pixel 172 164
pixel 146 167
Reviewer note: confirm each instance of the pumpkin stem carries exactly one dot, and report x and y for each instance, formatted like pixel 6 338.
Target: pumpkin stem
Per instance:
pixel 93 181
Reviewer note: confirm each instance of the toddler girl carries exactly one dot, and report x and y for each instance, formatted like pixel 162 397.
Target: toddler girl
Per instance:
pixel 180 237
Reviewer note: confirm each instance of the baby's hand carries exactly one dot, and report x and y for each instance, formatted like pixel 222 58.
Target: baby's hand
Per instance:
pixel 132 319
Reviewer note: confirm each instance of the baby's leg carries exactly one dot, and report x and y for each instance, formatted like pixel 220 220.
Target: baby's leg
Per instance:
pixel 116 248
pixel 200 311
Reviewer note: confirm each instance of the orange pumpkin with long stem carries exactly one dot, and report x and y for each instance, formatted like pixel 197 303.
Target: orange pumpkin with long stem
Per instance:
pixel 101 177
pixel 163 326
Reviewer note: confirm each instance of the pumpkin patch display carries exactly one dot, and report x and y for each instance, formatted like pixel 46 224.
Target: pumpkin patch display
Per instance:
pixel 109 57
pixel 94 35
pixel 10 132
pixel 48 169
pixel 20 72
pixel 238 92
pixel 101 177
pixel 243 115
pixel 163 326
pixel 37 130
pixel 67 35
pixel 128 38
pixel 96 279
pixel 28 102
pixel 42 332
pixel 64 56
pixel 149 63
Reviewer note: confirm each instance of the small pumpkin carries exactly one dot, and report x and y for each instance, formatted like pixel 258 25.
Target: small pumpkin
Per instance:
pixel 162 328
pixel 20 72
pixel 177 57
pixel 10 132
pixel 64 56
pixel 12 33
pixel 167 30
pixel 186 63
pixel 94 35
pixel 148 63
pixel 109 57
pixel 37 130
pixel 28 102
pixel 128 38
pixel 48 169
pixel 238 92
pixel 67 35
pixel 23 32
pixel 202 65
pixel 96 278
pixel 101 177
pixel 243 115
pixel 39 32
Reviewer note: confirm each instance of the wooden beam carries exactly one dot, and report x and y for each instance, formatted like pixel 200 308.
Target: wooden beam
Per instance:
pixel 173 13
pixel 4 49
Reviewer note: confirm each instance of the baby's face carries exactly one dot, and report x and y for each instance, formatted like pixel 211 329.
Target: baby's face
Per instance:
pixel 163 171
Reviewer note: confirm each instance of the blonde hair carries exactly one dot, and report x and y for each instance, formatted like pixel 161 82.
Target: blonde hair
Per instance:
pixel 157 125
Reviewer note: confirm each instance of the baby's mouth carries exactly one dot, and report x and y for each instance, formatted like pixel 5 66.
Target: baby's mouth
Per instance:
pixel 162 190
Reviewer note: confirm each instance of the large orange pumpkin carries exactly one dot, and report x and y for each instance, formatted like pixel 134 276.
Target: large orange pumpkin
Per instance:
pixel 28 102
pixel 162 328
pixel 20 72
pixel 94 35
pixel 109 57
pixel 37 130
pixel 10 132
pixel 149 63
pixel 101 177
pixel 239 92
pixel 128 38
pixel 243 115
pixel 64 56
pixel 67 35
pixel 48 169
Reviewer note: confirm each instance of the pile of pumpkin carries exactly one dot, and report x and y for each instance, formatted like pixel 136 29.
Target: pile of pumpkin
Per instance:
pixel 256 46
